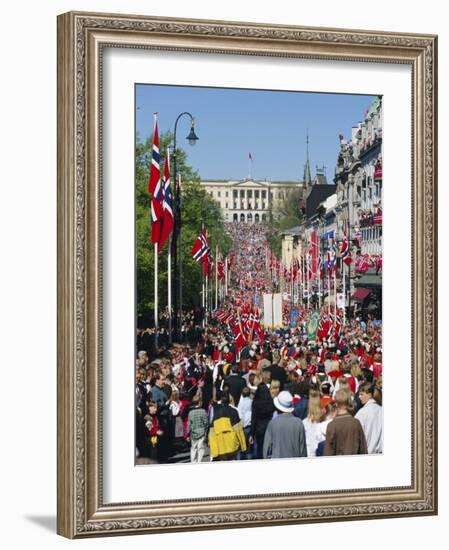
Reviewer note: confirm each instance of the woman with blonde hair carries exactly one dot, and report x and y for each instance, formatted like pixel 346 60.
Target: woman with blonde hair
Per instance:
pixel 312 424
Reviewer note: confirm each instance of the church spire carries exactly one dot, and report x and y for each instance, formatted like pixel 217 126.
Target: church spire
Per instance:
pixel 307 174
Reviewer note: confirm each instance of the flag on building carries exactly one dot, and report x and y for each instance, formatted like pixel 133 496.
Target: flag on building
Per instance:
pixel 167 208
pixel 155 187
pixel 345 251
pixel 378 171
pixel 377 218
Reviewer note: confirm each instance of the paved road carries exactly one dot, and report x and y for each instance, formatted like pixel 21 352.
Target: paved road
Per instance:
pixel 181 457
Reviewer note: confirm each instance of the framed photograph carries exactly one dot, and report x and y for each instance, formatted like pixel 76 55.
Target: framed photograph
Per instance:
pixel 247 327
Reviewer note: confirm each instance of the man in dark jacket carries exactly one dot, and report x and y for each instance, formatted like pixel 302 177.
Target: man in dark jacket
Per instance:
pixel 278 373
pixel 235 384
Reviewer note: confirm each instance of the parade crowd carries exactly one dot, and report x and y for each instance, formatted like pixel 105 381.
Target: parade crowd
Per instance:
pixel 236 390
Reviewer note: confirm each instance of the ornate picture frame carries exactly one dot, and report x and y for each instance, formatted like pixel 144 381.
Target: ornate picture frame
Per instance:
pixel 82 38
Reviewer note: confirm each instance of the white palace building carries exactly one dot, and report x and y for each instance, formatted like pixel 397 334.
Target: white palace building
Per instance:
pixel 248 200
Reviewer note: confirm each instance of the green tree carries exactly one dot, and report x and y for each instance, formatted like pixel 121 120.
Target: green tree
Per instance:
pixel 197 207
pixel 287 213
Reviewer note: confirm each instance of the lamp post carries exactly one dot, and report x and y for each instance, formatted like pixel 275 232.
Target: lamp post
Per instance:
pixel 176 240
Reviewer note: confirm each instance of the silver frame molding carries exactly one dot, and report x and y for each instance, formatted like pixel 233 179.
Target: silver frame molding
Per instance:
pixel 81 38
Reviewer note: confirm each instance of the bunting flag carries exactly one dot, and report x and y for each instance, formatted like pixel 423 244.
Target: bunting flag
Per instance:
pixel 201 250
pixel 155 187
pixel 167 209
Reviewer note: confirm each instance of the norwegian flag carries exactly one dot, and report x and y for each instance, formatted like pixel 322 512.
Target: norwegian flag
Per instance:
pixel 320 268
pixel 167 209
pixel 201 250
pixel 378 171
pixel 377 218
pixel 220 314
pixel 345 252
pixel 155 187
pixel 331 259
pixel 324 327
pixel 363 263
pixel 337 327
pixel 240 336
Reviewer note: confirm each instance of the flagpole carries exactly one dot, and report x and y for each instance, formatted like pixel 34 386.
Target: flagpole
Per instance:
pixel 328 286
pixel 216 276
pixel 319 285
pixel 207 298
pixel 170 336
pixel 226 276
pixel 156 313
pixel 335 292
pixel 344 293
pixel 203 298
pixel 308 281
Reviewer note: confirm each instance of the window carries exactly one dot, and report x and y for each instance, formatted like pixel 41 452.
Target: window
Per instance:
pixel 218 193
pixel 264 217
pixel 256 194
pixel 256 218
pixel 263 205
pixel 226 194
pixel 236 218
pixel 264 194
pixel 242 193
pixel 250 217
pixel 242 217
pixel 235 206
pixel 235 193
pixel 249 194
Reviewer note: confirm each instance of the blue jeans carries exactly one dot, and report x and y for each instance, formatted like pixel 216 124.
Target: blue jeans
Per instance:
pixel 247 455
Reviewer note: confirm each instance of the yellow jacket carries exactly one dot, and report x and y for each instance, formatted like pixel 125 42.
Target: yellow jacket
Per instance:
pixel 225 439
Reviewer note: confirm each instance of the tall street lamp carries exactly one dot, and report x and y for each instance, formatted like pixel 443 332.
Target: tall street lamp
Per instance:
pixel 176 240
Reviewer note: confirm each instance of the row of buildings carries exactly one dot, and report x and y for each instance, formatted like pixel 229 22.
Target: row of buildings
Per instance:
pixel 349 205
pixel 351 208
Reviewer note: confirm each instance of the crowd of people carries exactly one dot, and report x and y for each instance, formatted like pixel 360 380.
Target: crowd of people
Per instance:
pixel 277 394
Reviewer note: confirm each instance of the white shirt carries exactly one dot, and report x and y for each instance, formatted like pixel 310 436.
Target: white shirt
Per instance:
pixel 370 417
pixel 314 435
pixel 244 409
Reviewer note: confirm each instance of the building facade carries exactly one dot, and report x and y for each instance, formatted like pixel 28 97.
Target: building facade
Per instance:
pixel 358 176
pixel 249 200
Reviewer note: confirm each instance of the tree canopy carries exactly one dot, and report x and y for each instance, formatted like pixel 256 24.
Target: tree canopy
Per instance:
pixel 286 214
pixel 197 207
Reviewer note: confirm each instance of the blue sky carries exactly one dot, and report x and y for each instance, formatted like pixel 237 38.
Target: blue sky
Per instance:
pixel 271 125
